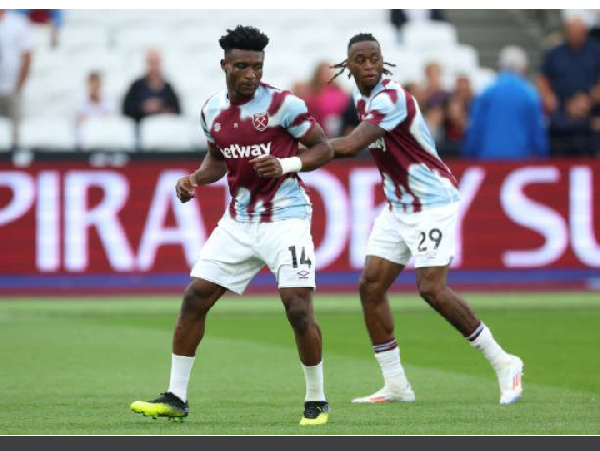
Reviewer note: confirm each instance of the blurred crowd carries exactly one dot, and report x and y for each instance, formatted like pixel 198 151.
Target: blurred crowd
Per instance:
pixel 556 112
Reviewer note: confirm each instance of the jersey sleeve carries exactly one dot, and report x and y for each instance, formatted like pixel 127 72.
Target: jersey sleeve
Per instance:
pixel 295 117
pixel 206 129
pixel 387 110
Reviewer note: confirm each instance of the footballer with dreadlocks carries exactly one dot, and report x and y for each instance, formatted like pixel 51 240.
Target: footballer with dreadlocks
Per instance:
pixel 253 131
pixel 420 221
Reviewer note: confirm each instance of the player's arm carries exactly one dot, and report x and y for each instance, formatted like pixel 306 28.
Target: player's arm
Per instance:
pixel 212 169
pixel 360 138
pixel 317 152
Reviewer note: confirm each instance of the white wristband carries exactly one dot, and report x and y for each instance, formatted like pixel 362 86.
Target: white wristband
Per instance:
pixel 292 164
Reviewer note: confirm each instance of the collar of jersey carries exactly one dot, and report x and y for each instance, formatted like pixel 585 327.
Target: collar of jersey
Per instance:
pixel 260 85
pixel 378 88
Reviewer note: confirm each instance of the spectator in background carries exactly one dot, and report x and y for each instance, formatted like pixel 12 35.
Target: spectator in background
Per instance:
pixel 434 100
pixel 507 120
pixel 591 18
pixel 151 94
pixel 94 104
pixel 52 17
pixel 325 99
pixel 350 119
pixel 570 86
pixel 463 90
pixel 456 111
pixel 417 92
pixel 15 63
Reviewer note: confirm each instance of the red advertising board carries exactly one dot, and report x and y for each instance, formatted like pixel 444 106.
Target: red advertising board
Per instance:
pixel 68 219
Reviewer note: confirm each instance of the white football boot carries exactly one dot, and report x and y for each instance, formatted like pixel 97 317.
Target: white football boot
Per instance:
pixel 388 395
pixel 509 375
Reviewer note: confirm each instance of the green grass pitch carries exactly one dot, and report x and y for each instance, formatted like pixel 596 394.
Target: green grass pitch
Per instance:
pixel 73 367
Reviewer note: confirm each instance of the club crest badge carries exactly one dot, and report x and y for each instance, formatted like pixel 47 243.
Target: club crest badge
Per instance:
pixel 260 121
pixel 217 127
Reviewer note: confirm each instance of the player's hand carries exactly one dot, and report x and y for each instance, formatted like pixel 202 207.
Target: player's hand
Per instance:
pixel 267 167
pixel 185 189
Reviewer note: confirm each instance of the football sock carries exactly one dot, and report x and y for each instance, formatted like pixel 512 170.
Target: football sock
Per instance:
pixel 489 347
pixel 313 376
pixel 391 367
pixel 181 368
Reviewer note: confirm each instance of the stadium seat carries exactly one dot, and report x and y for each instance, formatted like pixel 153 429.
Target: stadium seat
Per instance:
pixel 47 132
pixel 409 65
pixel 460 59
pixel 141 38
pixel 45 62
pixel 167 133
pixel 41 38
pixel 5 134
pixel 92 17
pixel 86 38
pixel 111 133
pixel 423 36
pixel 44 95
pixel 198 135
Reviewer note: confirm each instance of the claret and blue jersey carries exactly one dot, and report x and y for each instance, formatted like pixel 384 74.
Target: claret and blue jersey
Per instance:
pixel 414 176
pixel 271 122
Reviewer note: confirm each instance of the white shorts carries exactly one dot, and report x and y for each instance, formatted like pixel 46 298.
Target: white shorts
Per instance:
pixel 236 251
pixel 429 236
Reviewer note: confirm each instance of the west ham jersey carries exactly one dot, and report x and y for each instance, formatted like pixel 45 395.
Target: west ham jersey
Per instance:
pixel 414 176
pixel 271 122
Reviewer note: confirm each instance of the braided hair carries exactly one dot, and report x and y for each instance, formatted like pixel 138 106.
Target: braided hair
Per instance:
pixel 244 38
pixel 361 37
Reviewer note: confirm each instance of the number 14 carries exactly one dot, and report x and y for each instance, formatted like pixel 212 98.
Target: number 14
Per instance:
pixel 303 259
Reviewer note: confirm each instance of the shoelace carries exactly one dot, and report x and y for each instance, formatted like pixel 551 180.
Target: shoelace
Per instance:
pixel 312 411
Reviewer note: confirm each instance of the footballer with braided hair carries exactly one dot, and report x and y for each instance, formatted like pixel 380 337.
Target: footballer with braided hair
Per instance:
pixel 253 132
pixel 420 221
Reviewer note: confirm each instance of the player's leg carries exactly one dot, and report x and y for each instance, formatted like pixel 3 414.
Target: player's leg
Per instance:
pixel 307 332
pixel 226 262
pixel 375 281
pixel 387 254
pixel 509 368
pixel 434 248
pixel 287 248
pixel 199 296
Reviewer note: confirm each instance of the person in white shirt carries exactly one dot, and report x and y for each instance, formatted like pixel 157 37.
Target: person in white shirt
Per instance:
pixel 15 62
pixel 94 104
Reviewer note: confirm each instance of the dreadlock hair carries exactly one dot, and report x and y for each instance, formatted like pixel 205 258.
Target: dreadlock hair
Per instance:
pixel 244 38
pixel 360 37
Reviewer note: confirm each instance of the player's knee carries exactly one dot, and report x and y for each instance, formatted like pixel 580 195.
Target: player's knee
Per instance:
pixel 431 290
pixel 196 299
pixel 370 289
pixel 299 315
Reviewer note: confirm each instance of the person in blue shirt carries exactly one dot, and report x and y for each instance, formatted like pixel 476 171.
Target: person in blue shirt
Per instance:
pixel 507 120
pixel 570 86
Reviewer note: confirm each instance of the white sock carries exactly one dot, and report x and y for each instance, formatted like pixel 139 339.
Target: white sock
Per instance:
pixel 490 348
pixel 391 368
pixel 181 368
pixel 313 376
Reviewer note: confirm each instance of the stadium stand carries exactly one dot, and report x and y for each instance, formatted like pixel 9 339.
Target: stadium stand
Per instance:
pixel 108 133
pixel 113 42
pixel 47 132
pixel 167 132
